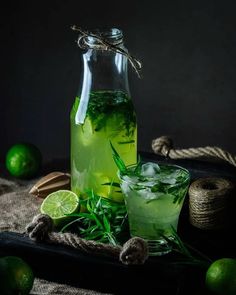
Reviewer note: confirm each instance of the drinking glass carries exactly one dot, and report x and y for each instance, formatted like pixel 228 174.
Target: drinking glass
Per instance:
pixel 154 195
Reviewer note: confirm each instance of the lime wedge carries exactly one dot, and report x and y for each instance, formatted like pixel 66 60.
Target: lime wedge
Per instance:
pixel 87 132
pixel 58 204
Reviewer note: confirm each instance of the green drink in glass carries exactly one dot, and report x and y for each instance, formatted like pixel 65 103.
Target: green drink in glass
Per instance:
pixel 154 196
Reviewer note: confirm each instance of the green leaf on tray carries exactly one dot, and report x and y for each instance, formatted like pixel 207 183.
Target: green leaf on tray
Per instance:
pixel 106 220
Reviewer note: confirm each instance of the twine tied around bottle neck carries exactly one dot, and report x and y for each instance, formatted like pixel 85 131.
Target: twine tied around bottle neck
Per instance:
pixel 103 44
pixel 134 251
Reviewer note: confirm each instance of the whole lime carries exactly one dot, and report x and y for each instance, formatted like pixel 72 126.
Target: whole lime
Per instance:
pixel 23 160
pixel 221 276
pixel 16 276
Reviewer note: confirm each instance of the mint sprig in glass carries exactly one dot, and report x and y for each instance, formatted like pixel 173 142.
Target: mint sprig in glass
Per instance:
pixel 154 196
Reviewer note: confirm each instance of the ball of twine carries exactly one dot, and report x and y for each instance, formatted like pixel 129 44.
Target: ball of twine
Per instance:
pixel 208 202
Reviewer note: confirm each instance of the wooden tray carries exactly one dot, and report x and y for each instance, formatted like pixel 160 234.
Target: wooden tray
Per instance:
pixel 158 274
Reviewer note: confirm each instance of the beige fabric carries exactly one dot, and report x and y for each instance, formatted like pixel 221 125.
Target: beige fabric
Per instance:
pixel 17 208
pixel 42 287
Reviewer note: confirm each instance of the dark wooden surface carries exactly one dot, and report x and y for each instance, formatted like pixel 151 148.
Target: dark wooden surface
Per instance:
pixel 158 274
pixel 65 265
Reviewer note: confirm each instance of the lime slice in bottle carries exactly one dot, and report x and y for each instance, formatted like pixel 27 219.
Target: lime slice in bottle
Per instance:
pixel 59 204
pixel 87 132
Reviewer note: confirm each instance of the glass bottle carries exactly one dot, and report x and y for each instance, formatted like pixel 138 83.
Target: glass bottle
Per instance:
pixel 102 113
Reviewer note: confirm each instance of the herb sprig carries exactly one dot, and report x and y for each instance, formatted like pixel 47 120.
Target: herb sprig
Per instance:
pixel 191 255
pixel 105 220
pixel 107 104
pixel 169 183
pixel 117 159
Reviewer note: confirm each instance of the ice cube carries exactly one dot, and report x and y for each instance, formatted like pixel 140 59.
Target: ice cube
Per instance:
pixel 125 188
pixel 127 183
pixel 168 180
pixel 147 184
pixel 172 178
pixel 149 169
pixel 130 179
pixel 148 195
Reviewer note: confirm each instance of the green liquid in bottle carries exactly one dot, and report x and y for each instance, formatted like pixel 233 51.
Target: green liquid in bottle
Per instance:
pixel 111 118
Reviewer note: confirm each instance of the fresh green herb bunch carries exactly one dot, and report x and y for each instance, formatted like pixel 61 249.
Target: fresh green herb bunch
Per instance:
pixel 105 104
pixel 105 220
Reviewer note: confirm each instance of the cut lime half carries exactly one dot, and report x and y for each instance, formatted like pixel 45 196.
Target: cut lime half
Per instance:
pixel 59 204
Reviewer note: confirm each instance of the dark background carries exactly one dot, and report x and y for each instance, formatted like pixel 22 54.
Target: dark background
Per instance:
pixel 189 67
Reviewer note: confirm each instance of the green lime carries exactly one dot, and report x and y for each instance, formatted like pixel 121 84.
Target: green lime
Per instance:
pixel 221 276
pixel 59 204
pixel 23 160
pixel 16 276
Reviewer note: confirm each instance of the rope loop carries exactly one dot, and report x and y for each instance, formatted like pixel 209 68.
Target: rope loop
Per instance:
pixel 40 227
pixel 163 146
pixel 134 251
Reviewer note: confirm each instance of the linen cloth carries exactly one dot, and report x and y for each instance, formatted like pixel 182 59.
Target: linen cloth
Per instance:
pixel 17 208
